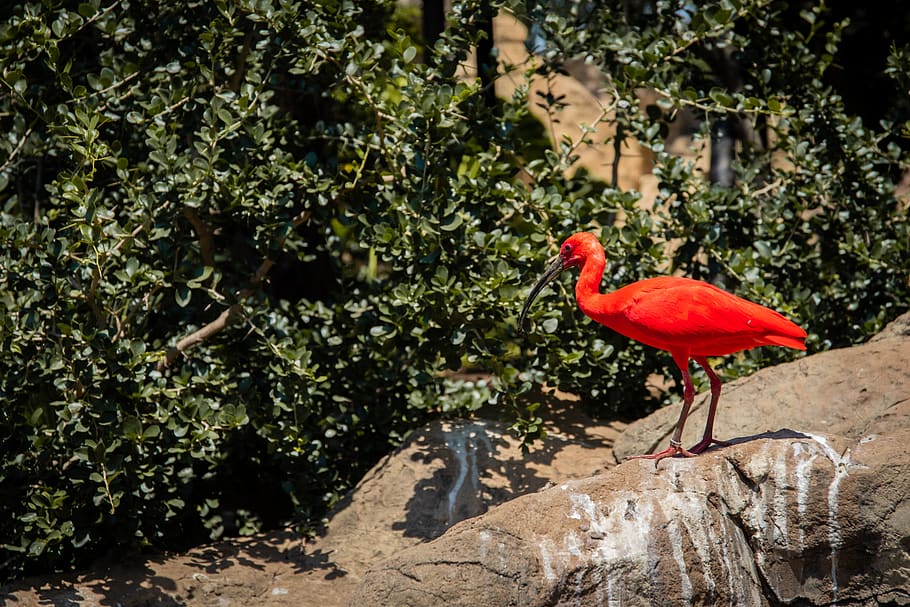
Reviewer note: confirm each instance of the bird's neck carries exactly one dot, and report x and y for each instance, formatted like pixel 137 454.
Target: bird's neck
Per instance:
pixel 587 289
pixel 605 308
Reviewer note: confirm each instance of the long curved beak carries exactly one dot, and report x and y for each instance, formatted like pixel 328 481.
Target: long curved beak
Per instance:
pixel 553 270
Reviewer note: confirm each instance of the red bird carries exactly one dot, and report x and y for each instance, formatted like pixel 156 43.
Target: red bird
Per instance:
pixel 688 318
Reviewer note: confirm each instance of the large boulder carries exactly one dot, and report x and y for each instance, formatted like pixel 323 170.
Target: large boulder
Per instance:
pixel 445 473
pixel 777 518
pixel 809 505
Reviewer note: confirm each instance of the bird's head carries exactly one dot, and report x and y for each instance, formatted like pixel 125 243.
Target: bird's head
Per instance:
pixel 573 252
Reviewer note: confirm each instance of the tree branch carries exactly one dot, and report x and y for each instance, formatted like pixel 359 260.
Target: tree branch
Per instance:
pixel 230 313
pixel 206 244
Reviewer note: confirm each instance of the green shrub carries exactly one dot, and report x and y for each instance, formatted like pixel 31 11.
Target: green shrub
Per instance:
pixel 811 226
pixel 348 228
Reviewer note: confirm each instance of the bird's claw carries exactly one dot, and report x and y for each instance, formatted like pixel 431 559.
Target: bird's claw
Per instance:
pixel 671 451
pixel 674 450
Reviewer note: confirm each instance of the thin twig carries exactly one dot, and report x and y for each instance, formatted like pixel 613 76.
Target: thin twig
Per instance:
pixel 107 487
pixel 767 188
pixel 17 149
pixel 199 336
pixel 111 87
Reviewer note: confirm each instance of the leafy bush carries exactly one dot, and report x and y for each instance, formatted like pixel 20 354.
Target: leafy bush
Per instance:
pixel 250 244
pixel 811 225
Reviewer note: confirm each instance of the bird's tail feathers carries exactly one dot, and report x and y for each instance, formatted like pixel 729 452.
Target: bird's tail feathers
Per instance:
pixel 788 341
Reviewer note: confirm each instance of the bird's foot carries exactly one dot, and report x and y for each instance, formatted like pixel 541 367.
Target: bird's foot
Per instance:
pixel 671 451
pixel 705 443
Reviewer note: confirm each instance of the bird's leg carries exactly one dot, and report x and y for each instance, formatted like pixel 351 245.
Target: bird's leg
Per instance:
pixel 675 447
pixel 708 438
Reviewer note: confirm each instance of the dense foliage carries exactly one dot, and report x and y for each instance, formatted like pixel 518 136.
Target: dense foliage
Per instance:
pixel 348 228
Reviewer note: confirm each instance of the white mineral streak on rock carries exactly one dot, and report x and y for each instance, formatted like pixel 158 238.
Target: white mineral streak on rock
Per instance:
pixel 484 537
pixel 725 545
pixel 463 442
pixel 758 513
pixel 624 529
pixel 724 552
pixel 693 512
pixel 781 484
pixel 804 460
pixel 582 504
pixel 605 537
pixel 612 600
pixel 573 545
pixel 685 584
pixel 547 550
pixel 735 496
pixel 739 562
pixel 842 466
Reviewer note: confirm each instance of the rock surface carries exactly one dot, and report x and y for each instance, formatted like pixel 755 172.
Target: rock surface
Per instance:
pixel 818 514
pixel 445 473
pixel 777 518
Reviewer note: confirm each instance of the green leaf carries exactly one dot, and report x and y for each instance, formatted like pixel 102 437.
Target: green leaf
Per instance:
pixel 132 266
pixel 453 224
pixel 550 325
pixel 137 347
pixel 763 248
pixel 182 295
pixel 196 282
pixel 132 427
pixel 722 98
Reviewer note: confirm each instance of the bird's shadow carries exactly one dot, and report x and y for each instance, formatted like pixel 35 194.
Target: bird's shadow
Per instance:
pixel 782 434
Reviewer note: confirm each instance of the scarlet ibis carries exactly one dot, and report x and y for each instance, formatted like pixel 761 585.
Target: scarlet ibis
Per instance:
pixel 688 318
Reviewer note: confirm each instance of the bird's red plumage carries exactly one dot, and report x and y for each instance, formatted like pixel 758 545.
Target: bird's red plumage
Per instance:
pixel 683 316
pixel 688 318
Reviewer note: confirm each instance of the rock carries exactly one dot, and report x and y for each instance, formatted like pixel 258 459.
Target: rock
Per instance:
pixel 850 392
pixel 445 473
pixel 898 328
pixel 814 515
pixel 778 518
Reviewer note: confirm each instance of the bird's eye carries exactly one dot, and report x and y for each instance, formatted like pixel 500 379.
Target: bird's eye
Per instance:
pixel 567 249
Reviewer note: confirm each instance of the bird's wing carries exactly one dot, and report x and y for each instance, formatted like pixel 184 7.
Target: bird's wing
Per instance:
pixel 680 313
